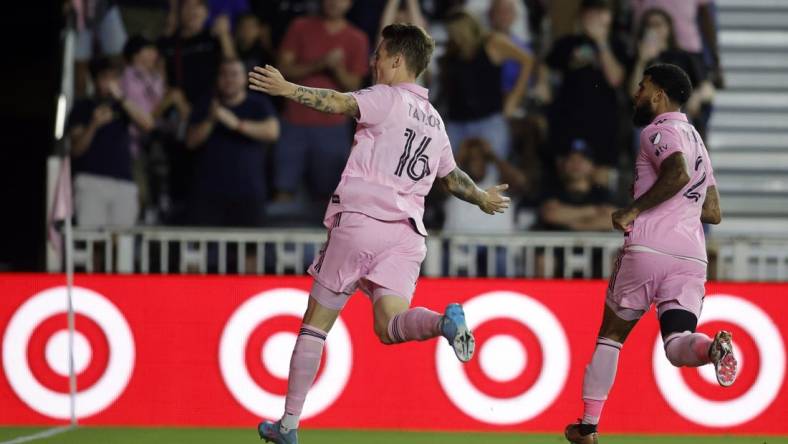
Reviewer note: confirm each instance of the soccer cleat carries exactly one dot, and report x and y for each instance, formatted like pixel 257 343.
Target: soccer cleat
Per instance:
pixel 721 354
pixel 271 432
pixel 455 330
pixel 573 435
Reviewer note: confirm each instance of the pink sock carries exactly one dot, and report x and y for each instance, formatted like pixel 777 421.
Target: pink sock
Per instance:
pixel 599 376
pixel 303 368
pixel 688 349
pixel 415 324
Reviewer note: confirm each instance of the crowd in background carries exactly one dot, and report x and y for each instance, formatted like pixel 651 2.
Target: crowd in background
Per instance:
pixel 534 93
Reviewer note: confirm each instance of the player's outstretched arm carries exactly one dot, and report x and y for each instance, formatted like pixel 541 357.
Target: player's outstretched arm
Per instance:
pixel 490 201
pixel 711 213
pixel 270 81
pixel 672 178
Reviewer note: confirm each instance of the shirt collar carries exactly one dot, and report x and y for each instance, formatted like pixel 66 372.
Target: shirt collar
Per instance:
pixel 415 89
pixel 673 115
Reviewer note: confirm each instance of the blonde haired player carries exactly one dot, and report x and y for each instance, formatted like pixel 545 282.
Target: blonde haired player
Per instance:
pixel 376 235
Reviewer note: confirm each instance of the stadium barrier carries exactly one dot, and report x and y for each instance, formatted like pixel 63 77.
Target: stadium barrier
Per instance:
pixel 172 250
pixel 214 350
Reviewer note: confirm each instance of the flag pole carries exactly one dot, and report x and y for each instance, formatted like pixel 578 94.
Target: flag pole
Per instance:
pixel 66 90
pixel 72 376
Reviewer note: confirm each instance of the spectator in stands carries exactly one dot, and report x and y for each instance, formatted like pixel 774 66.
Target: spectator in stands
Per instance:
pixel 326 52
pixel 470 82
pixel 694 25
pixel 529 128
pixel 398 11
pixel 146 17
pixel 231 131
pixel 657 44
pixel 253 42
pixel 232 9
pixel 502 14
pixel 278 15
pixel 577 204
pixel 475 157
pixel 142 82
pixel 193 53
pixel 371 16
pixel 593 65
pixel 101 147
pixel 98 21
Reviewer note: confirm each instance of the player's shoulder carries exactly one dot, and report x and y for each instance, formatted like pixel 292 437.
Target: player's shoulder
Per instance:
pixel 378 91
pixel 658 131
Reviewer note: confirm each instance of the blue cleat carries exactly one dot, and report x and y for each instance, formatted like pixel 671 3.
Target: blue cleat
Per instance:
pixel 455 330
pixel 271 432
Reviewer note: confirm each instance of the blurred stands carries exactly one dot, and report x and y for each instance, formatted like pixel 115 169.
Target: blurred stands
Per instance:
pixel 747 136
pixel 749 128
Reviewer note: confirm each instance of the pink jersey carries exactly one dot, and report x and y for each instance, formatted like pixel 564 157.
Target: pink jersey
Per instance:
pixel 674 226
pixel 399 148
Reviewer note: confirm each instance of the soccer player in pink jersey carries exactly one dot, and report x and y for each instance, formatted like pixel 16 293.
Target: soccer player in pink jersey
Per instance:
pixel 374 218
pixel 663 260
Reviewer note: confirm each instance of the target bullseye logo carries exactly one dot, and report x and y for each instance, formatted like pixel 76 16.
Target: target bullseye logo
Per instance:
pixel 35 352
pixel 759 348
pixel 522 360
pixel 255 349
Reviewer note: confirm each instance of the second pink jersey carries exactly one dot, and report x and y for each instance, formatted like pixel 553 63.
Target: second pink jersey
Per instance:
pixel 674 226
pixel 399 148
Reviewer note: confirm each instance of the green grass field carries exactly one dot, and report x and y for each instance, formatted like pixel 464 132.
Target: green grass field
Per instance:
pixel 101 435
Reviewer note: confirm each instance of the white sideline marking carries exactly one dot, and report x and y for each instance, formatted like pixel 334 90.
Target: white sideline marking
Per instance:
pixel 39 435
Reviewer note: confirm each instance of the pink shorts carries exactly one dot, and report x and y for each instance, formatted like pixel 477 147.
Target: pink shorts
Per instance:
pixel 642 278
pixel 380 257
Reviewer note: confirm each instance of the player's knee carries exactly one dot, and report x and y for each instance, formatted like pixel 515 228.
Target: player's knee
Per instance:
pixel 613 333
pixel 382 332
pixel 676 321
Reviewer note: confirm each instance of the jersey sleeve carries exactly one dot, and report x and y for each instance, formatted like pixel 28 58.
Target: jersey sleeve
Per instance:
pixel 446 164
pixel 658 143
pixel 374 104
pixel 711 181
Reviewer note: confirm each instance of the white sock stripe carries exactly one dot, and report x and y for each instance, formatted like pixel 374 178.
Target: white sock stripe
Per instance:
pixel 609 342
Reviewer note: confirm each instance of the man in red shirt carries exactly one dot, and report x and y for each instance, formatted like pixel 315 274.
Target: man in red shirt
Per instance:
pixel 325 52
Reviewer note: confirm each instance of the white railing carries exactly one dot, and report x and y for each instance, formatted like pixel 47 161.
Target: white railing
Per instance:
pixel 172 250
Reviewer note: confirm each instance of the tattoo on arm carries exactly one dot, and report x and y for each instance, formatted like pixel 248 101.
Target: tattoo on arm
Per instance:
pixel 672 178
pixel 463 187
pixel 325 100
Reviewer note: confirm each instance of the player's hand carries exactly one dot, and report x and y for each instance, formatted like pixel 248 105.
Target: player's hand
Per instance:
pixel 102 115
pixel 623 218
pixel 494 201
pixel 270 81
